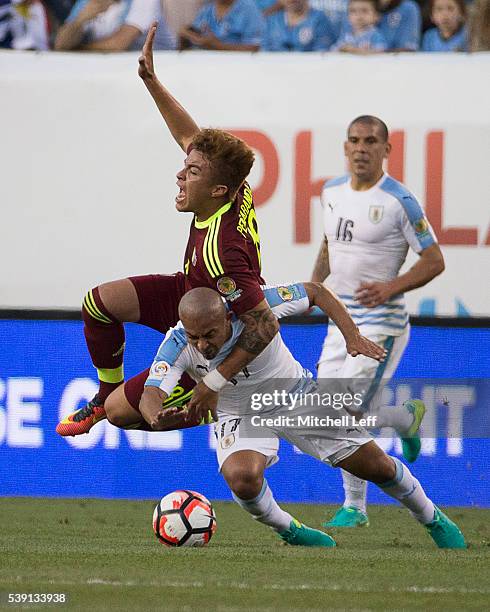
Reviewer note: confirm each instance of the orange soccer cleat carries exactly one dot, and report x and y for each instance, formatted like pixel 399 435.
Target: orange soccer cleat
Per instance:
pixel 81 421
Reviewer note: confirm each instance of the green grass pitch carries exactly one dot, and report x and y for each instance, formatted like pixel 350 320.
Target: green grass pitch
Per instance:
pixel 104 556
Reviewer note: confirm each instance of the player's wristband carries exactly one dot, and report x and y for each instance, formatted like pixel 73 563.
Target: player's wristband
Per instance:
pixel 214 380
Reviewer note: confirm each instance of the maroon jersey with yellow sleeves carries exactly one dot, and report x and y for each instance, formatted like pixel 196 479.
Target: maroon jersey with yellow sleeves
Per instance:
pixel 223 253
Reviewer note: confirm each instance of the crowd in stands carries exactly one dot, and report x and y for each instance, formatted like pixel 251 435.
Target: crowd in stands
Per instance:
pixel 350 26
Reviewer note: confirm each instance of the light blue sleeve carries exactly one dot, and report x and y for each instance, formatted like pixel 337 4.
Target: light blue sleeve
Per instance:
pixel 287 300
pixel 265 4
pixel 271 40
pixel 170 361
pixel 324 35
pixel 77 7
pixel 408 35
pixel 427 41
pixel 254 26
pixel 378 42
pixel 412 221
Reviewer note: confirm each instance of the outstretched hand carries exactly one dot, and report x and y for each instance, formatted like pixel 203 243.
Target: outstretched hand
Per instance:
pixel 202 402
pixel 146 69
pixel 362 346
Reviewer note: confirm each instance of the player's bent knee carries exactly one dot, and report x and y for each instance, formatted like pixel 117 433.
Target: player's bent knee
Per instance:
pixel 116 408
pixel 244 480
pixel 383 470
pixel 246 485
pixel 121 300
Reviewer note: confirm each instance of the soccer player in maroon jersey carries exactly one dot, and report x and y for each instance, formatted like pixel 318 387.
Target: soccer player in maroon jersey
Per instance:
pixel 223 253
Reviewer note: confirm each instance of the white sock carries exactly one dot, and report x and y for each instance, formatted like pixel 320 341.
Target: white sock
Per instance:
pixel 408 491
pixel 397 417
pixel 355 490
pixel 264 509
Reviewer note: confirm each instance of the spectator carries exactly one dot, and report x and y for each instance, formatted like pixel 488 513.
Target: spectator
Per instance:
pixel 336 12
pixel 60 9
pixel 363 36
pixel 400 24
pixel 265 5
pixel 450 33
pixel 179 13
pixel 29 25
pixel 226 25
pixel 480 26
pixel 112 25
pixel 269 7
pixel 297 27
pixel 5 24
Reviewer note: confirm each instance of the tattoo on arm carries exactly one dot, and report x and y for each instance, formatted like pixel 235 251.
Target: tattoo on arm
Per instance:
pixel 260 327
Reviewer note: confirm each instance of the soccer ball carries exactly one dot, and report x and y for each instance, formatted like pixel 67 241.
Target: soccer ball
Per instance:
pixel 184 518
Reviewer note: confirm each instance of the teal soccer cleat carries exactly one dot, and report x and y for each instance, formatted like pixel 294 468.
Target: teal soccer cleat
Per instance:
pixel 411 441
pixel 348 516
pixel 444 532
pixel 301 535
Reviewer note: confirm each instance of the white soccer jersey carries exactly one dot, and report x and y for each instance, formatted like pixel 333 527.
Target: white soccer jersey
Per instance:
pixel 263 375
pixel 368 235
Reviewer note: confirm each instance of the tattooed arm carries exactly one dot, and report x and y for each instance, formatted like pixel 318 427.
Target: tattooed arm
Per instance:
pixel 261 326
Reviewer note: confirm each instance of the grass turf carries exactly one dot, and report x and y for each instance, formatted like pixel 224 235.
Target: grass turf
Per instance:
pixel 103 555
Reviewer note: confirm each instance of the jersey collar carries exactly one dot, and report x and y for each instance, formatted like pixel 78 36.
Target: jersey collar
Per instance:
pixel 221 211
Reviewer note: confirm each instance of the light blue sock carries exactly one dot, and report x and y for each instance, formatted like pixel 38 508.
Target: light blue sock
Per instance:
pixel 264 509
pixel 409 492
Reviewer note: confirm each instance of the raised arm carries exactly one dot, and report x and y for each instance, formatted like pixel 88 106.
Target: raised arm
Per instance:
pixel 322 266
pixel 179 122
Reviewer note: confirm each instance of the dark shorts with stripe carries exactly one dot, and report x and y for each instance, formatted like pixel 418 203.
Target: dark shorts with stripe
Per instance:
pixel 159 296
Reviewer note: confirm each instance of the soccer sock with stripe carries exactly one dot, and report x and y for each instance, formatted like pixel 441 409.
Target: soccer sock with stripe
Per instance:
pixel 264 509
pixel 105 341
pixel 409 492
pixel 355 490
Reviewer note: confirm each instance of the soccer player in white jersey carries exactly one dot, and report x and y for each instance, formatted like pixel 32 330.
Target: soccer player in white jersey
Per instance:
pixel 205 335
pixel 370 221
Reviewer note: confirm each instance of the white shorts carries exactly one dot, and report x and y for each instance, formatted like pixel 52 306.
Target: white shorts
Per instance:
pixel 336 363
pixel 330 444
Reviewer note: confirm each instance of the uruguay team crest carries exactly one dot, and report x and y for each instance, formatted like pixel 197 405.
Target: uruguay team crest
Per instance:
pixel 285 294
pixel 376 213
pixel 421 226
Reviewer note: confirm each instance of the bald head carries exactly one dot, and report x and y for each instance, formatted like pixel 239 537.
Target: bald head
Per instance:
pixel 201 304
pixel 205 319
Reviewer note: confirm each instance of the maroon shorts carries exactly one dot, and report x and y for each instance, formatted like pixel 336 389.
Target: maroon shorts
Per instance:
pixel 159 296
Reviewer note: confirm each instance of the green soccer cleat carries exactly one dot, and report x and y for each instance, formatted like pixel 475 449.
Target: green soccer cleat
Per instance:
pixel 301 535
pixel 411 441
pixel 348 516
pixel 444 532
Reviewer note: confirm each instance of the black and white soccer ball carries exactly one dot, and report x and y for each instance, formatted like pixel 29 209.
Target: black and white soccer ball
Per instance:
pixel 184 518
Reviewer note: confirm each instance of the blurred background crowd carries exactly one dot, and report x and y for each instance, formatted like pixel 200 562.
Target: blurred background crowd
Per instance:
pixel 350 26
